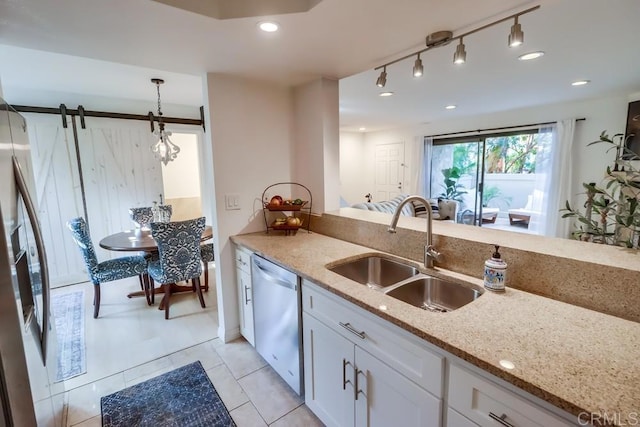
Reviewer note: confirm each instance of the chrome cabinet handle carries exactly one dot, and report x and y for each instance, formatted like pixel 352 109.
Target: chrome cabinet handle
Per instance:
pixel 356 388
pixel 246 296
pixel 344 373
pixel 350 328
pixel 501 419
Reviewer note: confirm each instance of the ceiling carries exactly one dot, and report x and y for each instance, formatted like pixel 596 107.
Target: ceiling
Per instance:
pixel 93 51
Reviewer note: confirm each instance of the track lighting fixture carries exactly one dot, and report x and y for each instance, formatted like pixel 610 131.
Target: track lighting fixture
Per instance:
pixel 418 69
pixel 516 38
pixel 443 38
pixel 382 80
pixel 461 54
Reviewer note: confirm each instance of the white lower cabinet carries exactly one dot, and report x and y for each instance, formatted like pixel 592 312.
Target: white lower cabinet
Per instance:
pixel 346 385
pixel 243 281
pixel 485 403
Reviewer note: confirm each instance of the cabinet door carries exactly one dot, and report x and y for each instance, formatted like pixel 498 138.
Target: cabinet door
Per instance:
pixel 246 305
pixel 328 373
pixel 386 398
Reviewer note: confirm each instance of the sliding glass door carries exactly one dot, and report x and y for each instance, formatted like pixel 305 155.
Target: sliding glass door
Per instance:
pixel 495 178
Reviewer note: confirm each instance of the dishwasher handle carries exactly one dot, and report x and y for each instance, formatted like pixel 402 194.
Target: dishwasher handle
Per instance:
pixel 274 279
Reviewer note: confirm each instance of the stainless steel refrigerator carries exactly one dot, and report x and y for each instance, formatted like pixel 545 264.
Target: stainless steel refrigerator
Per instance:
pixel 27 339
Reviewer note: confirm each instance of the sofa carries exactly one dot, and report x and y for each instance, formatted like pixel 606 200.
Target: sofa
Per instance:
pixel 442 209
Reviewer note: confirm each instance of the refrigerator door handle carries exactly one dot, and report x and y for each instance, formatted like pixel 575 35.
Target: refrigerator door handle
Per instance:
pixel 42 256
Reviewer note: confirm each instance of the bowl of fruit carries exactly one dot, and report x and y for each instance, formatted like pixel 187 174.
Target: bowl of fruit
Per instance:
pixel 278 203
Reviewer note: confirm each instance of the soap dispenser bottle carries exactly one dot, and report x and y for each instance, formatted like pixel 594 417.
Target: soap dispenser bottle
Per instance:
pixel 495 272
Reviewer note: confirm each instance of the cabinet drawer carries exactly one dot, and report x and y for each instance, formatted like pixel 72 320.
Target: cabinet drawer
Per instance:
pixel 454 419
pixel 243 259
pixel 377 336
pixel 482 402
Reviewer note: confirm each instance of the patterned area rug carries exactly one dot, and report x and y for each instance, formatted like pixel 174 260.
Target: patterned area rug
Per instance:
pixel 67 311
pixel 183 397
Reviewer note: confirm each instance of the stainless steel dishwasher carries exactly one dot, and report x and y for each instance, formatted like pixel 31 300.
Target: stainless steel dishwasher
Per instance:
pixel 277 319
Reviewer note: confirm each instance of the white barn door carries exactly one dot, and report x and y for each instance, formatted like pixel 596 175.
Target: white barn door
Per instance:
pixel 119 172
pixel 389 172
pixel 59 197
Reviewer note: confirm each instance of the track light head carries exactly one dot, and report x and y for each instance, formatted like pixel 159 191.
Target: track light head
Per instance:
pixel 418 69
pixel 382 79
pixel 516 37
pixel 460 56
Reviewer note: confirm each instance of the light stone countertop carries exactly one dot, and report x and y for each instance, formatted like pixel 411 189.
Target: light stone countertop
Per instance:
pixel 574 358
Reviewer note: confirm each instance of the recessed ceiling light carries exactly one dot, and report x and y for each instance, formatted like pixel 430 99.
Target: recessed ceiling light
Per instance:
pixel 268 26
pixel 386 93
pixel 580 82
pixel 450 107
pixel 530 55
pixel 362 129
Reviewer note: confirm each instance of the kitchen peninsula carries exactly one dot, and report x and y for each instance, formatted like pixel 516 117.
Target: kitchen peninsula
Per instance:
pixel 579 360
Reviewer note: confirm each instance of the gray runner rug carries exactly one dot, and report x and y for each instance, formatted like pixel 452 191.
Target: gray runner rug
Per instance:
pixel 67 312
pixel 183 397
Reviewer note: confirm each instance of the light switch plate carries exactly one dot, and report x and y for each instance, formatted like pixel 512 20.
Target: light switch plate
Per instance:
pixel 232 201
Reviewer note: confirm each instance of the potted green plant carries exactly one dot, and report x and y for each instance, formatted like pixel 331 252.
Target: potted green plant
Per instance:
pixel 612 214
pixel 453 190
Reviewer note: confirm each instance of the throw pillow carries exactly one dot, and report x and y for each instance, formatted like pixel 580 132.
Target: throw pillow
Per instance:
pixel 421 210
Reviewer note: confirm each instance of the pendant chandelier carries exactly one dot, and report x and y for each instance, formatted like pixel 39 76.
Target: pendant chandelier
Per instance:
pixel 164 150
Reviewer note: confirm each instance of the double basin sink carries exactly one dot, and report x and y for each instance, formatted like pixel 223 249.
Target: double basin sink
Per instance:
pixel 406 283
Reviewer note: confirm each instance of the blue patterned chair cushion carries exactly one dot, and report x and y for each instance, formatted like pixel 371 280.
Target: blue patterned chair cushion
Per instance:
pixel 179 250
pixel 206 252
pixel 120 268
pixel 113 269
pixel 141 216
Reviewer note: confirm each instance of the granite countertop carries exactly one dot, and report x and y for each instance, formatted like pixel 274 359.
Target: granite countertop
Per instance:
pixel 574 358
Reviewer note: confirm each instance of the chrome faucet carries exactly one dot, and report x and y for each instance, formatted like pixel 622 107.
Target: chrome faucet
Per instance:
pixel 430 253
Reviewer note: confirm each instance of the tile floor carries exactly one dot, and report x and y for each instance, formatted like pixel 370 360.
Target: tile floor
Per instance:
pixel 131 342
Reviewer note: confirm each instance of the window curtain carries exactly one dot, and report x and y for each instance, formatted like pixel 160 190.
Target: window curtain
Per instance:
pixel 418 174
pixel 553 179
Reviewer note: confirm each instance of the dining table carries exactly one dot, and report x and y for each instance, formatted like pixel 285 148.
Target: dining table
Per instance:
pixel 141 240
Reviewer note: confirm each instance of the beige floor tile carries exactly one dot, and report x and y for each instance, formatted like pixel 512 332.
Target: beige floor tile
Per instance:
pixel 84 402
pixel 299 417
pixel 150 375
pixel 240 357
pixel 271 396
pixel 204 352
pixel 230 392
pixel 91 422
pixel 247 416
pixel 147 368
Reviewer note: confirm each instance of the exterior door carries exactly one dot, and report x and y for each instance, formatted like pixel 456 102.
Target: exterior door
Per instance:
pixel 389 171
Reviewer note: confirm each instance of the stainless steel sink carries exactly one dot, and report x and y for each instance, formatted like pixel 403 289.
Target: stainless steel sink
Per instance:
pixel 374 271
pixel 433 294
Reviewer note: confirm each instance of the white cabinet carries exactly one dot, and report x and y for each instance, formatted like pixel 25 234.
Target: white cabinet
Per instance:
pixel 349 379
pixel 485 403
pixel 243 281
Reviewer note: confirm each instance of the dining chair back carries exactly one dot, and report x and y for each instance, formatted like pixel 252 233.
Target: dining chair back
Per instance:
pixel 106 271
pixel 141 216
pixel 206 254
pixel 164 213
pixel 179 256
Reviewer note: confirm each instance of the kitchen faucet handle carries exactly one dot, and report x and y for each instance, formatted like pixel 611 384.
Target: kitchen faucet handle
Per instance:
pixel 431 251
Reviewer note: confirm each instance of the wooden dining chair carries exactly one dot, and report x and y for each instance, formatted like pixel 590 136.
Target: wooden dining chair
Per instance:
pixel 179 256
pixel 106 271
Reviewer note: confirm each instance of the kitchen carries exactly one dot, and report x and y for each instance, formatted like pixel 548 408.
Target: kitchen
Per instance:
pixel 233 102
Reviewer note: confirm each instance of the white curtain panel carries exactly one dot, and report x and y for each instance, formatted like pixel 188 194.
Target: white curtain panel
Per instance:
pixel 553 180
pixel 417 173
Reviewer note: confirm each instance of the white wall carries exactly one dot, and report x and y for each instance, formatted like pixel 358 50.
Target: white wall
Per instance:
pixel 181 177
pixel 352 179
pixel 249 129
pixel 316 160
pixel 589 163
